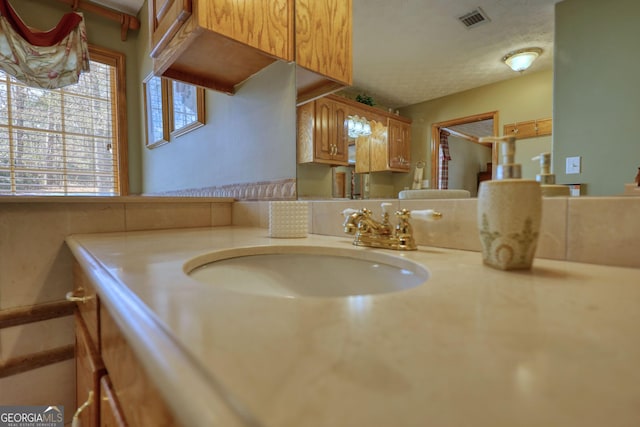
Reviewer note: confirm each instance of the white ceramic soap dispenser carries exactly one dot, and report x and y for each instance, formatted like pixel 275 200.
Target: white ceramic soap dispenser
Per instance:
pixel 547 180
pixel 509 212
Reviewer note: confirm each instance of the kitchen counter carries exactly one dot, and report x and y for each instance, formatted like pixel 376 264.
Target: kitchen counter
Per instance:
pixel 555 346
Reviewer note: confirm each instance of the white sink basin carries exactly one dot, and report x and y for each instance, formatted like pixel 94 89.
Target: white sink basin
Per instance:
pixel 306 271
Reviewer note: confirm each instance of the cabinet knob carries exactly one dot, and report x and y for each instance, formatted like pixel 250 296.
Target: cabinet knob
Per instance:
pixel 70 296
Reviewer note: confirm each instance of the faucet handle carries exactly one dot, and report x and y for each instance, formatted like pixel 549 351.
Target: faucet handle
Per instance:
pixel 386 208
pixel 348 212
pixel 426 215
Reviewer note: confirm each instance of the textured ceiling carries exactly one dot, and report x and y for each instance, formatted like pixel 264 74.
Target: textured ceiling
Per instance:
pixel 410 51
pixel 477 129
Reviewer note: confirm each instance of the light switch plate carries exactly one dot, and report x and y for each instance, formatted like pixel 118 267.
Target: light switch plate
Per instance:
pixel 573 165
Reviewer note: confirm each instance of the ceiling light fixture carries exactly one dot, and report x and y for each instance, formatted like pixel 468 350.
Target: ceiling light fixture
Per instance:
pixel 521 59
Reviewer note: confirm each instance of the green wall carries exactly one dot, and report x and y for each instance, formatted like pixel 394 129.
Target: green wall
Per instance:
pixel 524 97
pixel 44 15
pixel 597 97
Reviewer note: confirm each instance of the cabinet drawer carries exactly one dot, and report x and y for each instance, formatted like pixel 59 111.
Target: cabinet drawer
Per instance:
pixel 89 369
pixel 110 413
pixel 89 306
pixel 140 400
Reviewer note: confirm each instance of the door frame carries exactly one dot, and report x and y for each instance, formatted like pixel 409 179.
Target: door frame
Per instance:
pixel 435 138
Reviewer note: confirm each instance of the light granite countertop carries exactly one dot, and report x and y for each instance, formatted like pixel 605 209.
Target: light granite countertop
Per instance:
pixel 555 346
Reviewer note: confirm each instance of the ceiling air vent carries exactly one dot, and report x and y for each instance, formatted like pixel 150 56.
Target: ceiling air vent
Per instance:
pixel 474 18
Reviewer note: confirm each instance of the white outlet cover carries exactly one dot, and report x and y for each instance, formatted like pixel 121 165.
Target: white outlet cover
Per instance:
pixel 573 165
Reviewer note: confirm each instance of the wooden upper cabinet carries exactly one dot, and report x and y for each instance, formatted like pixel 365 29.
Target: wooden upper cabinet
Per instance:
pixel 323 136
pixel 264 25
pixel 219 43
pixel 399 145
pixel 322 132
pixel 332 140
pixel 392 153
pixel 323 47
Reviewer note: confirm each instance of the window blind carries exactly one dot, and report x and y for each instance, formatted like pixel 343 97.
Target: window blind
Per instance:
pixel 59 142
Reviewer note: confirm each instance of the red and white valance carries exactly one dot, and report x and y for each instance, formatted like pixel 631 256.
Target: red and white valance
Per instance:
pixel 46 59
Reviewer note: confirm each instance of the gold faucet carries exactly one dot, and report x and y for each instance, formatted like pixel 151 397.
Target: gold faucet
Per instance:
pixel 381 234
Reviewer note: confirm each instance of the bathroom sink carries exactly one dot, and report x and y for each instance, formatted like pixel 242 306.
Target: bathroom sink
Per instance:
pixel 306 271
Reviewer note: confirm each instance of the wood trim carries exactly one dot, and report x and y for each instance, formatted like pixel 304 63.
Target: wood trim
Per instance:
pixel 529 129
pixel 118 61
pixel 435 138
pixel 32 361
pixel 150 141
pixel 35 313
pixel 127 22
pixel 200 111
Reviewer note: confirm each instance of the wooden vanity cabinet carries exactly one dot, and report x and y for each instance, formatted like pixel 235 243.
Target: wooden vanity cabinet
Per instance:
pixel 89 370
pixel 141 402
pixel 110 412
pixel 122 393
pixel 322 132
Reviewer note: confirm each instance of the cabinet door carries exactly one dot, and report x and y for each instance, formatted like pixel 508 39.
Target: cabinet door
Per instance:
pixel 265 25
pixel 324 134
pixel 110 412
pixel 331 132
pixel 341 133
pixel 406 144
pixel 140 400
pixel 305 120
pixel 399 146
pixel 89 369
pixel 165 19
pixel 88 304
pixel 323 37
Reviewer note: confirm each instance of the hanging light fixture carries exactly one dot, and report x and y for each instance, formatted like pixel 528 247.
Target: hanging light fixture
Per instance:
pixel 521 59
pixel 358 126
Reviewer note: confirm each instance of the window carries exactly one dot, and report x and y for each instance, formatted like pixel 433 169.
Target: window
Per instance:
pixel 69 141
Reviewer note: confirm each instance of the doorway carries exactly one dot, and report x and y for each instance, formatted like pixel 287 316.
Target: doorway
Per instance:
pixel 469 129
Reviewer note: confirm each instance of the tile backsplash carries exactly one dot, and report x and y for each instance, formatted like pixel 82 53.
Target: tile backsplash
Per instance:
pixel 595 230
pixel 36 264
